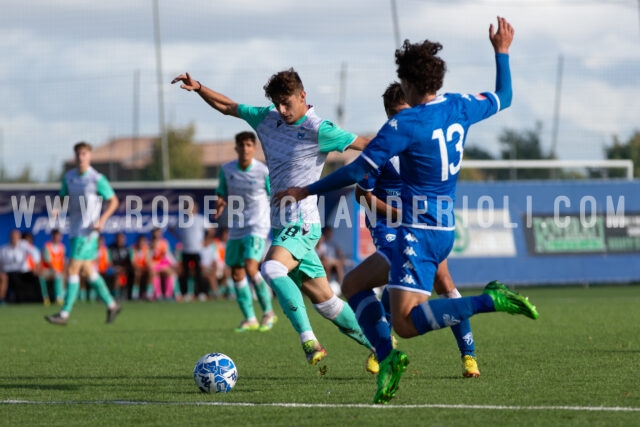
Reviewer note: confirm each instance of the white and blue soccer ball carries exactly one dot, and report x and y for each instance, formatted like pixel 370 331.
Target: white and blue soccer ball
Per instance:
pixel 215 373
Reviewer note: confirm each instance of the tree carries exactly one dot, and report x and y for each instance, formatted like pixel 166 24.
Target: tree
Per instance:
pixel 472 152
pixel 619 150
pixel 184 156
pixel 523 145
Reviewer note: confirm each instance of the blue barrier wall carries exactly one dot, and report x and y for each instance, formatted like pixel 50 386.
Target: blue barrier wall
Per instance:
pixel 563 232
pixel 517 232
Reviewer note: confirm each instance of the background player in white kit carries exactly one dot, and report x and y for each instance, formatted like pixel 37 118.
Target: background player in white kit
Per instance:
pixel 85 186
pixel 295 142
pixel 246 181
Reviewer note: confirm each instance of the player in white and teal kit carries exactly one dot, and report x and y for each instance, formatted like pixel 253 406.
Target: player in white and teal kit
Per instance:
pixel 86 188
pixel 295 142
pixel 246 181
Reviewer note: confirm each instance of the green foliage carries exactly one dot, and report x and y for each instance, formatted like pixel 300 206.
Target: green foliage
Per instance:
pixel 620 150
pixel 185 157
pixel 23 177
pixel 581 353
pixel 524 145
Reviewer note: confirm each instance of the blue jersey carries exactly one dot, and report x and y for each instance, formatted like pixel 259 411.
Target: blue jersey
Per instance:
pixel 385 184
pixel 429 142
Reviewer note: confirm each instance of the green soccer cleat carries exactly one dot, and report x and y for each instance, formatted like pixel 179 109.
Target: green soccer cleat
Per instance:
pixel 267 322
pixel 504 299
pixel 314 351
pixel 391 369
pixel 248 326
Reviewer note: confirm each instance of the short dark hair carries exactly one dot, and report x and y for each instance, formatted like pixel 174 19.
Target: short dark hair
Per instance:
pixel 82 145
pixel 242 136
pixel 393 96
pixel 283 83
pixel 419 65
pixel 55 231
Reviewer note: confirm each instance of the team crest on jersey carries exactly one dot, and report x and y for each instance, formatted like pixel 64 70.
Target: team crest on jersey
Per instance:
pixel 393 123
pixel 301 133
pixel 279 123
pixel 390 237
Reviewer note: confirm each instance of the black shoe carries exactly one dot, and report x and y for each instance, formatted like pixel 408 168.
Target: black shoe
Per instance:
pixel 112 313
pixel 56 319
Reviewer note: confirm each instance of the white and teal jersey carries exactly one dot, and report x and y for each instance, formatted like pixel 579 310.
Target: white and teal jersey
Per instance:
pixel 253 186
pixel 84 193
pixel 295 155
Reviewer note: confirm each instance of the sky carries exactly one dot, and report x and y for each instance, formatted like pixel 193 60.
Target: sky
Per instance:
pixel 82 70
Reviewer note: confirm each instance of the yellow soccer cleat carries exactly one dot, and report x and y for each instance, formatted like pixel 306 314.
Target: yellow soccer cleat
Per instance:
pixel 470 367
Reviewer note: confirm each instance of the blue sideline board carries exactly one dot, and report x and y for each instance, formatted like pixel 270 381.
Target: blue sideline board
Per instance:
pixel 518 232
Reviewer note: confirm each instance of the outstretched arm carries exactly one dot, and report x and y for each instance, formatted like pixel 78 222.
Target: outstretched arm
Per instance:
pixel 217 100
pixel 501 41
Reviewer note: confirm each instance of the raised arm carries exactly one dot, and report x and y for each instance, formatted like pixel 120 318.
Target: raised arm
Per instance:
pixel 501 41
pixel 217 100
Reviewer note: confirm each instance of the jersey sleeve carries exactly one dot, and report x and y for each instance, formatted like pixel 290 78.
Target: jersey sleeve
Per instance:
pixel 393 138
pixel 104 188
pixel 253 115
pixel 267 185
pixel 368 183
pixel 333 138
pixel 222 184
pixel 64 190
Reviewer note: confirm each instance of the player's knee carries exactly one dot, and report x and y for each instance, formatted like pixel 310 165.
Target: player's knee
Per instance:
pixel 272 269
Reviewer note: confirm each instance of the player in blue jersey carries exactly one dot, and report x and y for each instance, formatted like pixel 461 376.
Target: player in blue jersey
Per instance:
pixel 428 140
pixel 295 141
pixel 377 193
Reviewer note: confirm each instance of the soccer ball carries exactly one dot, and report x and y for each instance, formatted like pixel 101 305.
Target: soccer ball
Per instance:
pixel 215 373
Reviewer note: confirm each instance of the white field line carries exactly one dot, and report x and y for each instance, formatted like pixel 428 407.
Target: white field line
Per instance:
pixel 328 405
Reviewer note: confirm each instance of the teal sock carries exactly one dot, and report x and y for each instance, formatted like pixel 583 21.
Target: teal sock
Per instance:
pixel 58 287
pixel 244 298
pixel 83 294
pixel 292 303
pixel 191 285
pixel 263 293
pixel 176 287
pixel 100 287
pixel 92 294
pixel 73 287
pixel 43 288
pixel 135 291
pixel 344 318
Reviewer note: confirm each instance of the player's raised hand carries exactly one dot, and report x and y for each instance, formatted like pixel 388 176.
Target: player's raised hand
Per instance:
pixel 502 38
pixel 188 83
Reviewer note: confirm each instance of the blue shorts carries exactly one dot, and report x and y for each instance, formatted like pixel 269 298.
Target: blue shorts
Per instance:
pixel 384 238
pixel 416 257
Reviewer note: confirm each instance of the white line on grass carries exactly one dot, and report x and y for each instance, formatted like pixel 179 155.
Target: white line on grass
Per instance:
pixel 326 405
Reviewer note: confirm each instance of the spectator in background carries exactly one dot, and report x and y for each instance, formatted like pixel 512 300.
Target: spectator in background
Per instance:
pixel 331 255
pixel 34 265
pixel 18 283
pixel 121 263
pixel 140 257
pixel 223 272
pixel 161 267
pixel 53 264
pixel 209 262
pixel 102 263
pixel 190 233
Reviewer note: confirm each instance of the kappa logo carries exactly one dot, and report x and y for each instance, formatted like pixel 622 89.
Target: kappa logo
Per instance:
pixel 409 251
pixel 306 228
pixel 408 279
pixel 408 265
pixel 393 123
pixel 449 320
pixel 468 338
pixel 283 238
pixel 410 238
